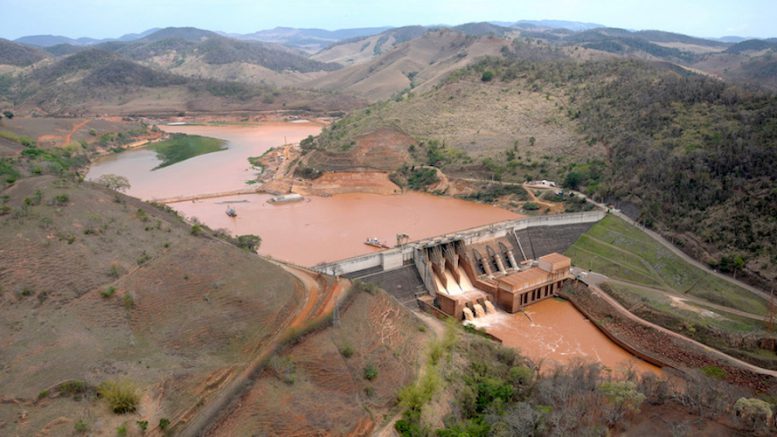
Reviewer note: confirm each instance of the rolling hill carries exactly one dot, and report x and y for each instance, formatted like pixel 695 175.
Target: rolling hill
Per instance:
pixel 199 53
pixel 311 40
pixel 91 293
pixel 94 81
pixel 19 55
pixel 400 60
pixel 665 143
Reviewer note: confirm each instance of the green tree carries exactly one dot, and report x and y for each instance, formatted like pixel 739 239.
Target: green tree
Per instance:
pixel 487 76
pixel 573 180
pixel 114 182
pixel 8 114
pixel 249 242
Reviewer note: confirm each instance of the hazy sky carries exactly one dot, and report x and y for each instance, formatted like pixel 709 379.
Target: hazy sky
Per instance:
pixel 112 18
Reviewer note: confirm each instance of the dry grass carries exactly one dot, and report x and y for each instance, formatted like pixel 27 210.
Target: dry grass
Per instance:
pixel 55 325
pixel 331 394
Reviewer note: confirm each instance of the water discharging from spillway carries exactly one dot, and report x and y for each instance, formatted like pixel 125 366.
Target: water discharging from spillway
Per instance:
pixel 453 288
pixel 490 307
pixel 468 314
pixel 479 312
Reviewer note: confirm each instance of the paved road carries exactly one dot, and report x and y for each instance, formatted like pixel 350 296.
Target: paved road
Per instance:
pixel 593 279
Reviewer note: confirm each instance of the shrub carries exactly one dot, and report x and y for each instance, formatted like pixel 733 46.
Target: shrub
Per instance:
pixel 346 351
pixel 143 258
pixel 121 431
pixel 249 242
pixel 164 423
pixel 121 395
pixel 530 206
pixel 81 426
pixel 108 292
pixel 115 271
pixel 307 173
pixel 283 368
pixel 370 372
pixel 143 425
pixel 128 301
pixel 73 388
pixel 714 372
pixel 487 76
pixel 521 375
pixel 754 414
pixel 61 199
pixel 366 287
pixel 197 229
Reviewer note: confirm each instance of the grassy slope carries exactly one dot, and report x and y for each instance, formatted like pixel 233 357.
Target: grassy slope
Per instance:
pixel 619 250
pixel 58 254
pixel 180 147
pixel 623 252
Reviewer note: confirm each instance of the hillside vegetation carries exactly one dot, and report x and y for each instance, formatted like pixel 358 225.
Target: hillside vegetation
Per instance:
pixel 688 155
pixel 95 81
pixel 91 297
pixel 180 147
pixel 659 286
pixel 19 55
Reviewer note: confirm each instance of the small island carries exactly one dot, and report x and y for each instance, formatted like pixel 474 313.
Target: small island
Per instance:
pixel 180 147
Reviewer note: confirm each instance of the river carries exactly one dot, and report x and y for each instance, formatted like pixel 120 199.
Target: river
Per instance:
pixel 316 230
pixel 554 331
pixel 216 172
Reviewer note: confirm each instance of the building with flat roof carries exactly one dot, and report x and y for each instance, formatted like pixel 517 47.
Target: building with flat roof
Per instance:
pixel 518 289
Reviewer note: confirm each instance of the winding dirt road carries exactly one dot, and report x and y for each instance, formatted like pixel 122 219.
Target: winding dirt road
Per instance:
pixel 592 280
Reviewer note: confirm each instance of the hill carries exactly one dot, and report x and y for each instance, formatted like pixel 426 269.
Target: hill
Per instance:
pixel 46 41
pixel 53 40
pixel 19 55
pixel 94 81
pixel 199 53
pixel 91 293
pixel 751 45
pixel 663 142
pixel 574 26
pixel 308 39
pixel 360 49
pixel 398 60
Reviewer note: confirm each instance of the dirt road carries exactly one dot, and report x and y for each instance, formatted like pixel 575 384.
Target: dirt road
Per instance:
pixel 692 300
pixel 661 240
pixel 592 280
pixel 76 127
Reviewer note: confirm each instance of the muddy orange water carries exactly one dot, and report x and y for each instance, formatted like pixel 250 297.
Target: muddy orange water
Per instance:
pixel 557 333
pixel 317 230
pixel 331 228
pixel 215 172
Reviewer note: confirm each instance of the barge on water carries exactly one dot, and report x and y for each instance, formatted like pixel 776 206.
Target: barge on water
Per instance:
pixel 287 198
pixel 374 242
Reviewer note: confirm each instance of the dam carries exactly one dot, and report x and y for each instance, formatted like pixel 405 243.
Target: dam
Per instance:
pixel 471 273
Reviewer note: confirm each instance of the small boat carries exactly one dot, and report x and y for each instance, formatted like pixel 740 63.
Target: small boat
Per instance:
pixel 231 212
pixel 374 242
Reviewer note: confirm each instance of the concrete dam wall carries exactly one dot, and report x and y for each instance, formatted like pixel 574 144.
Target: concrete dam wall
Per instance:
pixel 397 257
